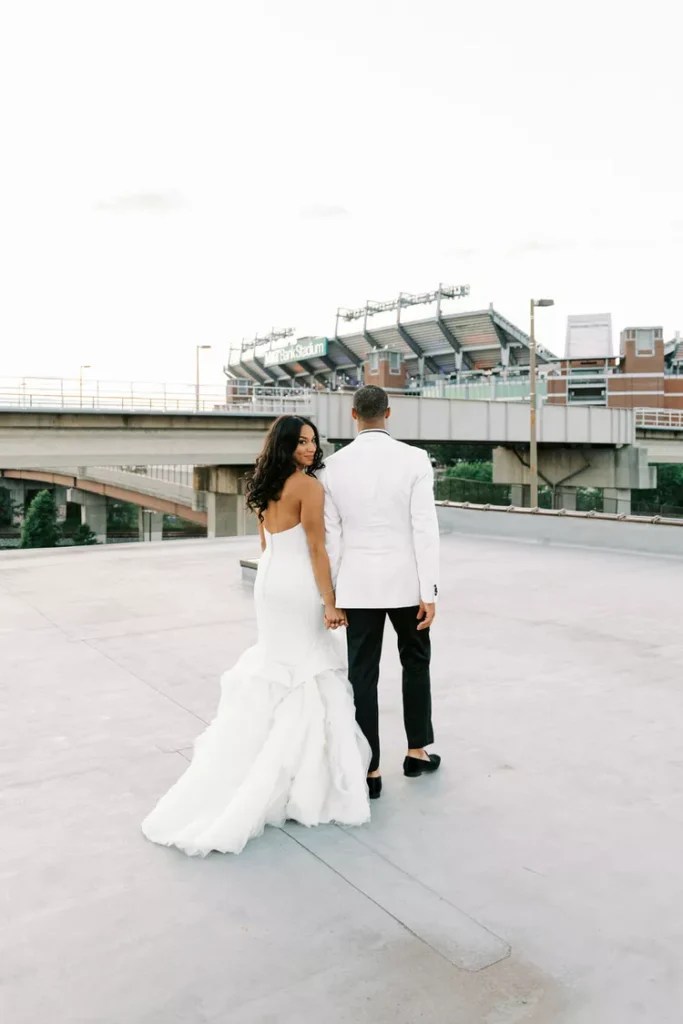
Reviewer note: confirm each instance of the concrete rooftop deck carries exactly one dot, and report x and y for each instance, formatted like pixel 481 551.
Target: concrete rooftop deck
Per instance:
pixel 537 878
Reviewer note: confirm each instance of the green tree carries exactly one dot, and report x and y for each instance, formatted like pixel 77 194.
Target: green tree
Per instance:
pixel 8 508
pixel 84 535
pixel 40 529
pixel 471 471
pixel 667 496
pixel 122 517
pixel 450 453
pixel 473 482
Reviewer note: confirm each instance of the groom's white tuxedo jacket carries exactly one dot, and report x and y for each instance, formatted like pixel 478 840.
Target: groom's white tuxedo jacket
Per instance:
pixel 380 519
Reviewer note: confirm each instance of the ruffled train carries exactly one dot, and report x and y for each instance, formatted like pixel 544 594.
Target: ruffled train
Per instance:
pixel 284 745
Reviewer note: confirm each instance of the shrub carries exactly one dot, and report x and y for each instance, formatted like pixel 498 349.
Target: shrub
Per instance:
pixel 40 528
pixel 8 508
pixel 84 535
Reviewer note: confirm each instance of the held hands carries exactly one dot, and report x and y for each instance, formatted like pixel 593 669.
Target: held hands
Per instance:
pixel 334 617
pixel 426 615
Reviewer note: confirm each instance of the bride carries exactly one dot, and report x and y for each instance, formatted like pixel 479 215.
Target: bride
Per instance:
pixel 284 743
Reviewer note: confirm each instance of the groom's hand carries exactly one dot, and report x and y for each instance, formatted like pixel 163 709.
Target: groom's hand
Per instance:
pixel 334 618
pixel 425 614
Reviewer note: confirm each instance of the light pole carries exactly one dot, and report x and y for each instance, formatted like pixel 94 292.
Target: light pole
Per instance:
pixel 199 348
pixel 80 384
pixel 533 435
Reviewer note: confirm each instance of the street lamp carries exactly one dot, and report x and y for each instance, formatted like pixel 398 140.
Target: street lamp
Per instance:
pixel 199 348
pixel 80 384
pixel 533 436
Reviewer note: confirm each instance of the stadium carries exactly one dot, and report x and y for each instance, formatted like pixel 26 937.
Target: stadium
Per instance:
pixel 446 344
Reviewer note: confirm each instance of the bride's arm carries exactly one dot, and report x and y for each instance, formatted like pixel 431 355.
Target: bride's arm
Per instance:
pixel 313 522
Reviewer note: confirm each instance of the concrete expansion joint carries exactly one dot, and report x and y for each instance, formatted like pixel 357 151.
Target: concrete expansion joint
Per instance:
pixel 445 928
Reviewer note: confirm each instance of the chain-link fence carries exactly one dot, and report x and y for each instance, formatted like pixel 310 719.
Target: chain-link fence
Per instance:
pixel 583 499
pixel 477 492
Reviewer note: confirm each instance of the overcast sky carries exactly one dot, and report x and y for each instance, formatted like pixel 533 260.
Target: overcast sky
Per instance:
pixel 182 173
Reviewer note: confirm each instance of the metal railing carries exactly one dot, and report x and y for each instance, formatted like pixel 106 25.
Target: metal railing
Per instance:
pixel 73 394
pixel 241 397
pixel 622 517
pixel 61 393
pixel 163 481
pixel 456 490
pixel 659 419
pixel 182 475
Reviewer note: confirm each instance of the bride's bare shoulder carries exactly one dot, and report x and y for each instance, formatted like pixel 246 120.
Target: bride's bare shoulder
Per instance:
pixel 303 484
pixel 306 484
pixel 306 488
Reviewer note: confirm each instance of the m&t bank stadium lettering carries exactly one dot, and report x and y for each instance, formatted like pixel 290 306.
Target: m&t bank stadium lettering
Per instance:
pixel 293 353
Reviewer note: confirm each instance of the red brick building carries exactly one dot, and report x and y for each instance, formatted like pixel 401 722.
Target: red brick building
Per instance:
pixel 648 373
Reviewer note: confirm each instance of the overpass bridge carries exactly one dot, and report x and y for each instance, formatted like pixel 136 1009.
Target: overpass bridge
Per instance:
pixel 90 487
pixel 660 432
pixel 232 434
pixel 579 446
pixel 121 484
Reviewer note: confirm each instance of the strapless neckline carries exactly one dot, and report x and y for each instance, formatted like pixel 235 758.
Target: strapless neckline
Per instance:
pixel 281 532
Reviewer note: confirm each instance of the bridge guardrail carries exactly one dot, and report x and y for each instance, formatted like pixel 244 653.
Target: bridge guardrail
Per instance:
pixel 47 394
pixel 620 517
pixel 53 394
pixel 659 419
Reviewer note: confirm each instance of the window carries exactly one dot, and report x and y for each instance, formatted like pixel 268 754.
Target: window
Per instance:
pixel 592 393
pixel 373 362
pixel 394 362
pixel 645 342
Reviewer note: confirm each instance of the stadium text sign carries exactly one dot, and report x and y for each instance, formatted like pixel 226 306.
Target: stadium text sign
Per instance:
pixel 294 353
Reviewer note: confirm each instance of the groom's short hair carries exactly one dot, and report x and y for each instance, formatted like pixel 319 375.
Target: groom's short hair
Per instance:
pixel 370 402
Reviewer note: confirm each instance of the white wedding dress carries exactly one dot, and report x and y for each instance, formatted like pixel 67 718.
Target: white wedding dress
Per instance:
pixel 284 743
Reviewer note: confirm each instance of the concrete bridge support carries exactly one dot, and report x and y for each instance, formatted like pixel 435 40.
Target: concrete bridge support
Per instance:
pixel 616 471
pixel 93 511
pixel 17 492
pixel 617 500
pixel 60 501
pixel 150 524
pixel 227 512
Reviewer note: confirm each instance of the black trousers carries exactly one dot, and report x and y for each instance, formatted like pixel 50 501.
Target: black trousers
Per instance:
pixel 364 637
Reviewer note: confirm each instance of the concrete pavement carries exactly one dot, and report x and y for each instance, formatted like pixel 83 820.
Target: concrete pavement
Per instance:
pixel 536 878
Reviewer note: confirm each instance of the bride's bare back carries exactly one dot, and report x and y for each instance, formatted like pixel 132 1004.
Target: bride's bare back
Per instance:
pixel 285 513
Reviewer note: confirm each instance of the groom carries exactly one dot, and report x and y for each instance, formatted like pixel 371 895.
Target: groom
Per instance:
pixel 383 543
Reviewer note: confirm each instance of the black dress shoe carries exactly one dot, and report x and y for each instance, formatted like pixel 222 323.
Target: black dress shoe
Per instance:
pixel 375 787
pixel 413 767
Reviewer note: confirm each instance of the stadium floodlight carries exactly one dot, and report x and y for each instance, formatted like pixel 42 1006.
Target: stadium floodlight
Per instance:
pixel 371 308
pixel 460 291
pixel 270 340
pixel 276 334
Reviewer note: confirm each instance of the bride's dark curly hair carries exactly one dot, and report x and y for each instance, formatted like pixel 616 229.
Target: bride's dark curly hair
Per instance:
pixel 275 464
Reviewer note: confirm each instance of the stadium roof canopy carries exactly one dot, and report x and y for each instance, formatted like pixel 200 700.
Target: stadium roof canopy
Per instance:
pixel 440 344
pixel 673 352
